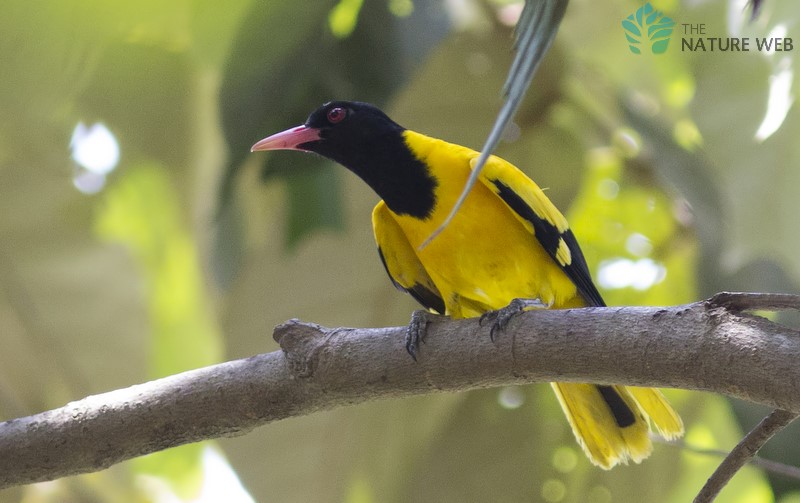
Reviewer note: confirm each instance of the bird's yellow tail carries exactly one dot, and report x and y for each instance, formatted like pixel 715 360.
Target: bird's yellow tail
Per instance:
pixel 611 422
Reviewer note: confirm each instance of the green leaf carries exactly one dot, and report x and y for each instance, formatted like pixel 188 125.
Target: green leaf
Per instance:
pixel 342 18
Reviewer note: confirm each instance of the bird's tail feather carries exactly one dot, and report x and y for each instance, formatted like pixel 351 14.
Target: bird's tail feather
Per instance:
pixel 652 402
pixel 611 422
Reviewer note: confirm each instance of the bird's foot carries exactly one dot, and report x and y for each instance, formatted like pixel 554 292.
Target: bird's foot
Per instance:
pixel 417 327
pixel 500 318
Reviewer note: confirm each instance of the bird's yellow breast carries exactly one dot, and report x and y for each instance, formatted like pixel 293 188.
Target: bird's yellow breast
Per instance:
pixel 486 257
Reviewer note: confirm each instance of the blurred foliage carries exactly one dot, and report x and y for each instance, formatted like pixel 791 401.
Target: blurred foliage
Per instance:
pixel 327 48
pixel 194 248
pixel 142 211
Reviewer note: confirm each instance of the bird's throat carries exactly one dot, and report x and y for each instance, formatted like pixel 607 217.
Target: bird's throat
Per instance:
pixel 403 181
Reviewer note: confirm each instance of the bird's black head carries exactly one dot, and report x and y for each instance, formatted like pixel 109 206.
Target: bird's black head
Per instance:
pixel 365 140
pixel 348 127
pixel 339 130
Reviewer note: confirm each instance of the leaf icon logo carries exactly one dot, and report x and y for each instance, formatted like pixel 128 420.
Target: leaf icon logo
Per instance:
pixel 648 26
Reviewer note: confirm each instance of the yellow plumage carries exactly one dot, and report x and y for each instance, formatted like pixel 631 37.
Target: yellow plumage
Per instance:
pixel 486 257
pixel 490 255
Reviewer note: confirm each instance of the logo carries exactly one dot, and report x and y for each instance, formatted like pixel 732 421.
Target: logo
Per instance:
pixel 648 27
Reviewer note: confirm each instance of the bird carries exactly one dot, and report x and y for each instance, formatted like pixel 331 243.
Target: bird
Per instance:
pixel 507 243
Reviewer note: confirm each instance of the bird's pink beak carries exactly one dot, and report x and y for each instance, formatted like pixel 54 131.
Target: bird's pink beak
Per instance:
pixel 291 139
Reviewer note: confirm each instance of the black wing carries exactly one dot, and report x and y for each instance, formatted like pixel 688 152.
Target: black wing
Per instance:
pixel 529 202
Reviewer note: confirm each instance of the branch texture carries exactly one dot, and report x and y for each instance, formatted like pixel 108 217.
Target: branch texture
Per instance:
pixel 710 345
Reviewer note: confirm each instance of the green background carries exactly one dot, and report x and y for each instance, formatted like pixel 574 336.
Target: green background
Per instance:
pixel 196 248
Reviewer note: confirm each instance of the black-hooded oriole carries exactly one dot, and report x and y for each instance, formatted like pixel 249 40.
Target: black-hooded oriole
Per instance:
pixel 508 241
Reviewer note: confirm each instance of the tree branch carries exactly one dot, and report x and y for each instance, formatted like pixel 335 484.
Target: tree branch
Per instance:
pixel 708 345
pixel 743 453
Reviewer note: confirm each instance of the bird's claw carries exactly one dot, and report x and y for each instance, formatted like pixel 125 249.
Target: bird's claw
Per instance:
pixel 415 333
pixel 501 317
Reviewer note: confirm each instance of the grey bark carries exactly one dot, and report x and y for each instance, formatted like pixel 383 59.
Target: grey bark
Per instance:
pixel 710 345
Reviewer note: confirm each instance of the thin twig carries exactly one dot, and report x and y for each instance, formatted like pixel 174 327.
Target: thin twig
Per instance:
pixel 743 453
pixel 768 465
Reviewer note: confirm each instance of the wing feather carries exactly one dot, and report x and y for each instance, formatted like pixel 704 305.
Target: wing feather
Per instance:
pixel 401 262
pixel 535 210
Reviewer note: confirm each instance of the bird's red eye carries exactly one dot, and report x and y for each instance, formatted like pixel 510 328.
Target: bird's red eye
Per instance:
pixel 336 114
